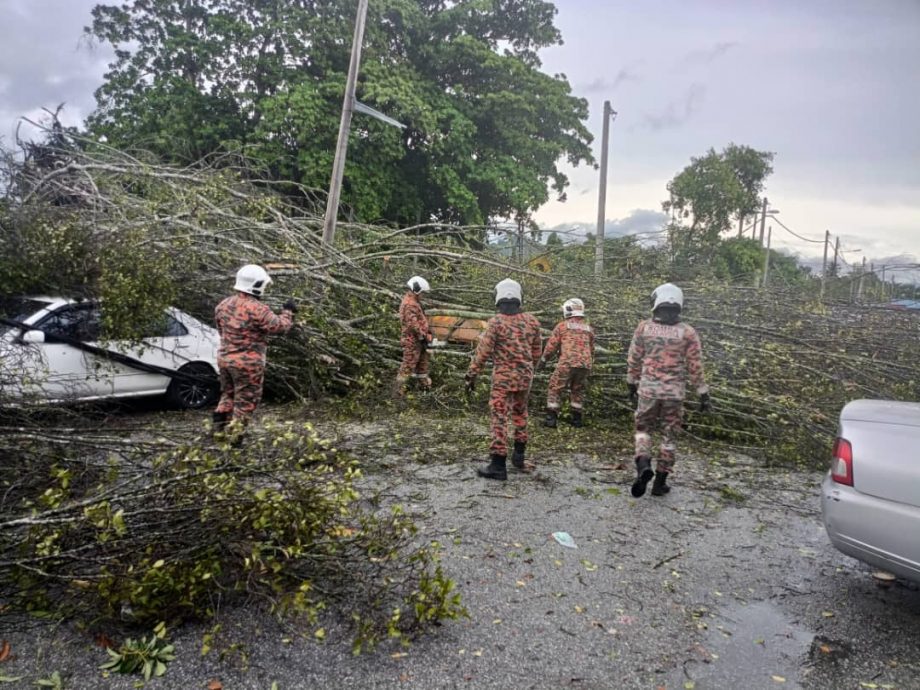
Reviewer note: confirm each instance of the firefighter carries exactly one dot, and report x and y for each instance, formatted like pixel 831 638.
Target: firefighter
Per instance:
pixel 573 338
pixel 512 341
pixel 664 357
pixel 244 323
pixel 416 336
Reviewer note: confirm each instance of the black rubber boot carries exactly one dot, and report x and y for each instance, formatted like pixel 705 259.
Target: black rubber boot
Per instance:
pixel 644 475
pixel 660 487
pixel 496 468
pixel 551 419
pixel 219 421
pixel 575 419
pixel 517 458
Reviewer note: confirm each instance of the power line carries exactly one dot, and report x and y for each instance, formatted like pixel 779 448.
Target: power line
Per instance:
pixel 793 233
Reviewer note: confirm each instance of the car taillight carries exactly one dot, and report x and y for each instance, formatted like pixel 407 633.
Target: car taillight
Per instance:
pixel 842 464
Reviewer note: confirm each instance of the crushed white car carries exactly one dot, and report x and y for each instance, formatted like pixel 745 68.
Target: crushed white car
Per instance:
pixel 51 351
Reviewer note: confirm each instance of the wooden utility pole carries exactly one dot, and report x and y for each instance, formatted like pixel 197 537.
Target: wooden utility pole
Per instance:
pixel 836 254
pixel 341 148
pixel 766 257
pixel 609 113
pixel 740 225
pixel 827 241
pixel 763 220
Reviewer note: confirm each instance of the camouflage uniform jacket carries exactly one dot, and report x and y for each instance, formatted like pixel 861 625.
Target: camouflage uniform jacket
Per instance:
pixel 574 337
pixel 244 324
pixel 412 317
pixel 663 357
pixel 513 343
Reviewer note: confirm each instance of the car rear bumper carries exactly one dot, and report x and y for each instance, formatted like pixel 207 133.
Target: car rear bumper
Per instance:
pixel 882 533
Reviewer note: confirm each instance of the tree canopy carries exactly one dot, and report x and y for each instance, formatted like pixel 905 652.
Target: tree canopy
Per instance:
pixel 710 192
pixel 486 128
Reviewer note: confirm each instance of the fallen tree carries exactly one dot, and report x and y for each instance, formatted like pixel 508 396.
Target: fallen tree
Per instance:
pixel 86 219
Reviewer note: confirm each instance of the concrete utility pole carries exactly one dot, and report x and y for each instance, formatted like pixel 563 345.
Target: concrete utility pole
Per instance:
pixel 341 148
pixel 860 286
pixel 763 219
pixel 836 254
pixel 609 114
pixel 827 241
pixel 766 257
pixel 740 225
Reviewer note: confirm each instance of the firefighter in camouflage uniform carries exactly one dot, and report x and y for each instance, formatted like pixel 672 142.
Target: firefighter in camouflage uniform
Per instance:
pixel 573 338
pixel 244 323
pixel 664 357
pixel 415 336
pixel 512 341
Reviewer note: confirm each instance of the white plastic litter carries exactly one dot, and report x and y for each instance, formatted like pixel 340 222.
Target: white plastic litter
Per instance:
pixel 565 539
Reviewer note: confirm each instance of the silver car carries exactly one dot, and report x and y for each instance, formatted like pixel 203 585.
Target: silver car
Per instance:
pixel 871 495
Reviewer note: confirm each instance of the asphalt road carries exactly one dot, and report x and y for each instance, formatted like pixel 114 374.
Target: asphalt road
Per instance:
pixel 728 582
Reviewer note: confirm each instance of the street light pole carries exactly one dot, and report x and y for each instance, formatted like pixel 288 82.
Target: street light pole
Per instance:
pixel 348 106
pixel 609 113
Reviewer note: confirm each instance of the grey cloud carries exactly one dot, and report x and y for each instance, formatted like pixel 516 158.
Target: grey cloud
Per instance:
pixel 625 75
pixel 709 54
pixel 44 60
pixel 644 222
pixel 676 112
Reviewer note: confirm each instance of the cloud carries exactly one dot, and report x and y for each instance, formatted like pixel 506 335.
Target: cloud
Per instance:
pixel 625 75
pixel 44 61
pixel 676 112
pixel 643 222
pixel 709 55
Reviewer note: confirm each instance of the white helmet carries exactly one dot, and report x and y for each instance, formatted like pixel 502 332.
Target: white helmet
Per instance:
pixel 667 294
pixel 418 284
pixel 573 307
pixel 508 289
pixel 252 279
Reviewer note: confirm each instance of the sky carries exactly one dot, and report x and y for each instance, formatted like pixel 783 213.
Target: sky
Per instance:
pixel 829 86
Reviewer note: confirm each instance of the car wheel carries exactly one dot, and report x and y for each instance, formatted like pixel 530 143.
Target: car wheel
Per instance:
pixel 196 390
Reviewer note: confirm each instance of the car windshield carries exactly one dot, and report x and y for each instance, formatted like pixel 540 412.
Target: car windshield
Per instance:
pixel 18 309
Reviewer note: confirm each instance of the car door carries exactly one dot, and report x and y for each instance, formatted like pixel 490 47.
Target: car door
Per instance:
pixel 69 372
pixel 169 345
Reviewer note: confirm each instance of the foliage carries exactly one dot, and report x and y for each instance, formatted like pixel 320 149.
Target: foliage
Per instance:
pixel 54 681
pixel 740 260
pixel 149 533
pixel 485 127
pixel 147 656
pixel 709 192
pixel 760 344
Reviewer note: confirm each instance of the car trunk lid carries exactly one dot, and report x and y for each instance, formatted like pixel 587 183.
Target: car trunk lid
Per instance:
pixel 885 439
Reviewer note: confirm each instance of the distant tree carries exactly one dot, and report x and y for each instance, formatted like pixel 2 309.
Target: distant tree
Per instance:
pixel 553 240
pixel 486 129
pixel 711 191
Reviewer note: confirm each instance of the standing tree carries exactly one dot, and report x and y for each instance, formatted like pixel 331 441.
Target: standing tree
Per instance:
pixel 709 193
pixel 485 132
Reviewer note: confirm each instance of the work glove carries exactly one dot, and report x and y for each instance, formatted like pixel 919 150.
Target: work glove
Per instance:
pixel 541 364
pixel 705 404
pixel 470 379
pixel 633 394
pixel 290 306
pixel 423 340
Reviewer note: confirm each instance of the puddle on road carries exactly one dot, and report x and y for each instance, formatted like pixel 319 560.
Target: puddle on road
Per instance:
pixel 753 642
